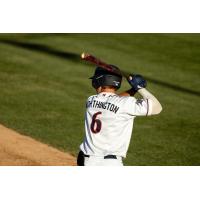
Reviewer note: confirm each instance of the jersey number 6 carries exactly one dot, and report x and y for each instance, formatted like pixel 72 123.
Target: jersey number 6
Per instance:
pixel 96 123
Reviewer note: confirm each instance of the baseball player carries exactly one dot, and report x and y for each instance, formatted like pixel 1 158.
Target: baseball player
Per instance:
pixel 109 118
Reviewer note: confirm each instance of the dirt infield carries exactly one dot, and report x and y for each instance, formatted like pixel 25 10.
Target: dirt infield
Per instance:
pixel 19 150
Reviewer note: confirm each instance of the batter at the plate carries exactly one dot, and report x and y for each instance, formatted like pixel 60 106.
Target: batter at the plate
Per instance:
pixel 109 118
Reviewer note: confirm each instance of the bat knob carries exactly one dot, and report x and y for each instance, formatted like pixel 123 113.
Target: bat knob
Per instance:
pixel 83 55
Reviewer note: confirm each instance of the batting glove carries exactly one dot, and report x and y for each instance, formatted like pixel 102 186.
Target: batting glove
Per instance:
pixel 137 82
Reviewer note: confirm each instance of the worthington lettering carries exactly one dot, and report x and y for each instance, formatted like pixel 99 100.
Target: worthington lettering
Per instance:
pixel 104 105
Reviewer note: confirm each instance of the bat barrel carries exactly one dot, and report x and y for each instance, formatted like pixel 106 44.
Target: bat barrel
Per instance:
pixel 92 59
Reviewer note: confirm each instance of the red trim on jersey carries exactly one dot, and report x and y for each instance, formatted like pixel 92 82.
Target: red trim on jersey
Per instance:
pixel 147 107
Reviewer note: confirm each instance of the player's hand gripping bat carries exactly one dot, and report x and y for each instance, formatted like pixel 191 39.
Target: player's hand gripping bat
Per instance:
pixel 98 62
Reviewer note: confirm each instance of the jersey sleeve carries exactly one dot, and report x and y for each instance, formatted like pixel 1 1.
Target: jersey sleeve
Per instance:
pixel 138 107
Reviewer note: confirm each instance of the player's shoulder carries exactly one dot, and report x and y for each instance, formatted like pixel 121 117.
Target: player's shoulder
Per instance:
pixel 122 100
pixel 126 98
pixel 113 97
pixel 91 97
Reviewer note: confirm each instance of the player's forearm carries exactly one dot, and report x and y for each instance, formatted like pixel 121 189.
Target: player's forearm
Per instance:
pixel 156 106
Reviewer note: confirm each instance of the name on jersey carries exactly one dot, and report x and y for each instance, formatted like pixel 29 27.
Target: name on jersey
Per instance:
pixel 104 105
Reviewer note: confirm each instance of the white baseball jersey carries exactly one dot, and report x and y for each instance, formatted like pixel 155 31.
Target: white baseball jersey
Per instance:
pixel 109 122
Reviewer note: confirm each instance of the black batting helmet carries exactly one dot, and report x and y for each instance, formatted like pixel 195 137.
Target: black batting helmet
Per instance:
pixel 104 77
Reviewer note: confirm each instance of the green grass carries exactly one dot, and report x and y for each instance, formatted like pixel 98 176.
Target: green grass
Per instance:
pixel 43 94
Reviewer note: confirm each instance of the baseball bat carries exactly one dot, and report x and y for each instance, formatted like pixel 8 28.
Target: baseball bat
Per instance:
pixel 92 59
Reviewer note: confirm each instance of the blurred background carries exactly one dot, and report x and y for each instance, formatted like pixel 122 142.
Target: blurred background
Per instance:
pixel 44 86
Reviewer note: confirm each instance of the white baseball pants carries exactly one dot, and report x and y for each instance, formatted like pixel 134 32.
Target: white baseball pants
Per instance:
pixel 101 161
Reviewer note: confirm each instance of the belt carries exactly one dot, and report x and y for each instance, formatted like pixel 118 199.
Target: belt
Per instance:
pixel 105 157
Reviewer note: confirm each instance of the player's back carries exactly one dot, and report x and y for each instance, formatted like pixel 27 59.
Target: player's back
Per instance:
pixel 108 125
